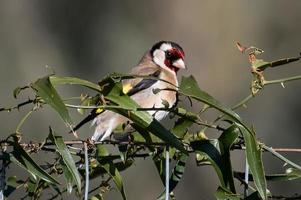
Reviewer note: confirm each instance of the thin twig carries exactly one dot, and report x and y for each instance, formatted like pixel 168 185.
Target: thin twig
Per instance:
pixel 283 80
pixel 297 197
pixel 167 173
pixel 87 171
pixel 242 102
pixel 2 176
pixel 246 187
pixel 133 143
pixel 279 156
pixel 265 82
pixel 242 181
pixel 249 97
pixel 93 107
pixel 29 101
pixel 287 150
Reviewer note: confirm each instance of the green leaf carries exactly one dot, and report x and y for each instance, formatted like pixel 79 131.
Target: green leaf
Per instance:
pixel 181 127
pixel 101 151
pixel 47 92
pixel 190 88
pixel 68 177
pixel 217 153
pixel 55 80
pixel 12 181
pixel 96 197
pixel 211 151
pixel 224 194
pixel 260 64
pixel 141 118
pixel 254 157
pixel 142 135
pixel 114 173
pixel 159 162
pixel 32 187
pixel 110 168
pixel 289 175
pixel 88 101
pixel 67 159
pixel 20 157
pixel 284 61
pixel 226 141
pixel 97 170
pixel 11 185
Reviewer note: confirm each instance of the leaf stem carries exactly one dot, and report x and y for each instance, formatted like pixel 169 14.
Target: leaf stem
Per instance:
pixel 23 120
pixel 243 102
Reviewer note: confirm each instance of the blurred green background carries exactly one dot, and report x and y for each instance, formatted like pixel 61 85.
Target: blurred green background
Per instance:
pixel 93 38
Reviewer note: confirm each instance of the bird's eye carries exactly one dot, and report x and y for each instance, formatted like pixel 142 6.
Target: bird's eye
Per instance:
pixel 168 54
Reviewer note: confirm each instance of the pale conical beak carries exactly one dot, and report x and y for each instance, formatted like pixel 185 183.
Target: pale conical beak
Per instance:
pixel 179 64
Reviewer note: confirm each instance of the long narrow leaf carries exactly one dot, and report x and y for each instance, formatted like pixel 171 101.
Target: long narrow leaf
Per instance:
pixel 68 177
pixel 55 80
pixel 190 88
pixel 289 175
pixel 217 152
pixel 67 159
pixel 114 173
pixel 211 151
pixel 224 194
pixel 110 168
pixel 20 157
pixel 254 157
pixel 226 141
pixel 181 127
pixel 47 92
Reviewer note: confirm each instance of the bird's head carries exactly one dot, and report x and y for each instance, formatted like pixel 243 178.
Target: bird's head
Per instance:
pixel 168 55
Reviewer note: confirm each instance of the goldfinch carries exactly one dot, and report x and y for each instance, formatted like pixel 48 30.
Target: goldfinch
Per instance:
pixel 163 61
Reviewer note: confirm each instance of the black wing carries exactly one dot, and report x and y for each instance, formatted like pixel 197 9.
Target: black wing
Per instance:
pixel 144 84
pixel 90 117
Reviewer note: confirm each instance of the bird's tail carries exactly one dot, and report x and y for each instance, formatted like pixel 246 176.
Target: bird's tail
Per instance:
pixel 101 133
pixel 90 117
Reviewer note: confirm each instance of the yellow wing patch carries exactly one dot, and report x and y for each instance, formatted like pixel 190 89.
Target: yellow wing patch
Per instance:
pixel 99 110
pixel 126 88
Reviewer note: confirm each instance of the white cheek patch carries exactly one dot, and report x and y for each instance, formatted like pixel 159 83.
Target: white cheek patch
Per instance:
pixel 159 57
pixel 165 46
